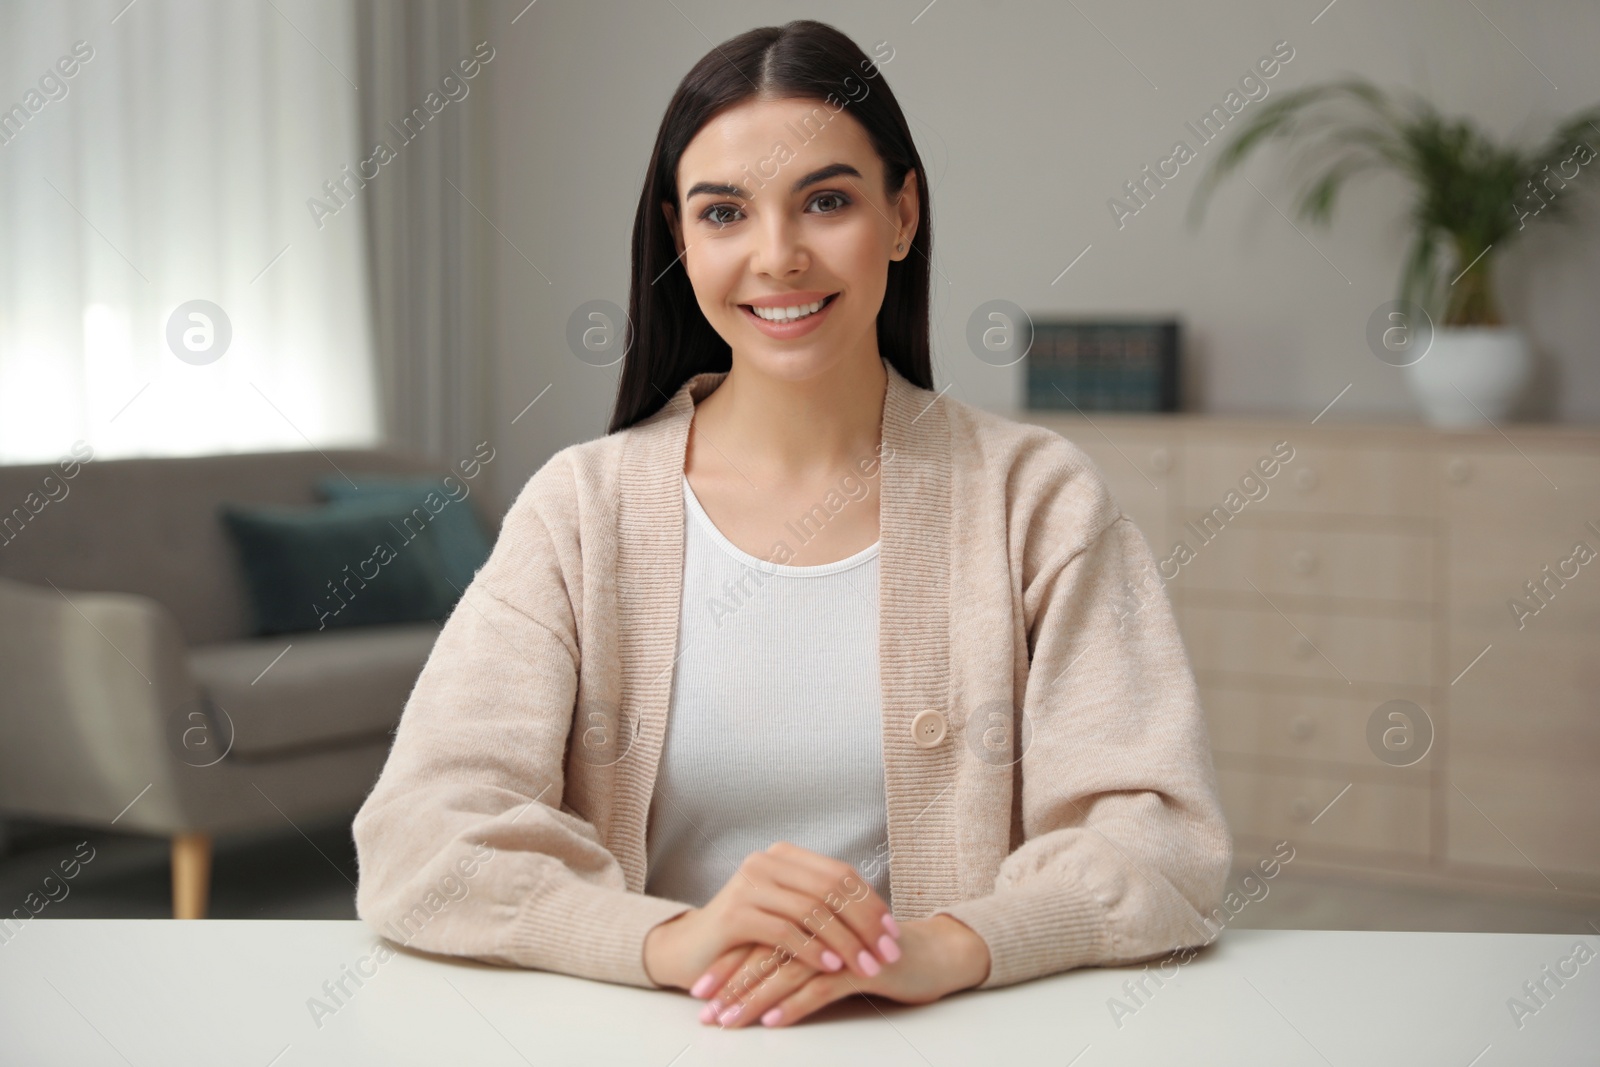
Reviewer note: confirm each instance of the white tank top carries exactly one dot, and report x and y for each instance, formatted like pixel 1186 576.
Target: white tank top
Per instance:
pixel 774 730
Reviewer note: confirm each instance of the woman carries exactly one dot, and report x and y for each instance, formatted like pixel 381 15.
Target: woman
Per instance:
pixel 805 680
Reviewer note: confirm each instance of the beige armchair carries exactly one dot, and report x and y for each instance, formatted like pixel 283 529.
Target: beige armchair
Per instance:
pixel 130 693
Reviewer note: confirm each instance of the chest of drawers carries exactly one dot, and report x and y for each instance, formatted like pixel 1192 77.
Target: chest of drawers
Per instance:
pixel 1382 563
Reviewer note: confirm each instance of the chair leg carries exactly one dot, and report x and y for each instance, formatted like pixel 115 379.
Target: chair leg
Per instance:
pixel 191 875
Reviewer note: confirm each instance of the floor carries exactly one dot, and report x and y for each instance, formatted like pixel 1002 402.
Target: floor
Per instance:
pixel 284 875
pixel 274 875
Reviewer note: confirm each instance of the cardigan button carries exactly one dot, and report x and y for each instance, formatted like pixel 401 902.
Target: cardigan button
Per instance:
pixel 928 728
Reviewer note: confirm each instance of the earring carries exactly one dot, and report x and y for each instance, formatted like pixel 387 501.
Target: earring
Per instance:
pixel 900 247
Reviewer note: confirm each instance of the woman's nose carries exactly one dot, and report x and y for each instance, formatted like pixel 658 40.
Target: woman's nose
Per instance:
pixel 779 249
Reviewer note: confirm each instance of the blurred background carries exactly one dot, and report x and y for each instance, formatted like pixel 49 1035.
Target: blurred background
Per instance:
pixel 282 280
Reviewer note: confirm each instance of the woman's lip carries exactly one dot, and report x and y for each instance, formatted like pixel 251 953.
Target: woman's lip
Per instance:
pixel 794 328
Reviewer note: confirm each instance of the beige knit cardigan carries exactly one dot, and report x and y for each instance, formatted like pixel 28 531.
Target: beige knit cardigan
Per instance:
pixel 1058 797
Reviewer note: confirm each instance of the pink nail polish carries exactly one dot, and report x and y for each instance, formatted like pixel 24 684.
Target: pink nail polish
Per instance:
pixel 831 960
pixel 731 1014
pixel 890 925
pixel 704 986
pixel 869 966
pixel 773 1017
pixel 888 948
pixel 707 1014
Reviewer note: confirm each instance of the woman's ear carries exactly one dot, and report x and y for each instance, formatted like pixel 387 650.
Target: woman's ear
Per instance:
pixel 672 224
pixel 908 205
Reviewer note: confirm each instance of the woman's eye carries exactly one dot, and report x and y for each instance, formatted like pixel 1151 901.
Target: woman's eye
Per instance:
pixel 829 203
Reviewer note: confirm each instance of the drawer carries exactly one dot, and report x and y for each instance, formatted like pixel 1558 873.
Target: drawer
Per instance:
pixel 1379 565
pixel 1490 567
pixel 1526 715
pixel 1309 726
pixel 1318 478
pixel 1554 492
pixel 1370 816
pixel 1327 646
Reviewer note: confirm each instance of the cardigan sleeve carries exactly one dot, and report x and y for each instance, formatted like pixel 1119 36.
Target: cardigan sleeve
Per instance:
pixel 464 845
pixel 1125 845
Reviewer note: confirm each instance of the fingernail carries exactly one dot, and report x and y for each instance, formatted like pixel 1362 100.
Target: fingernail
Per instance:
pixel 773 1017
pixel 869 966
pixel 731 1014
pixel 708 1013
pixel 704 986
pixel 890 925
pixel 888 948
pixel 831 960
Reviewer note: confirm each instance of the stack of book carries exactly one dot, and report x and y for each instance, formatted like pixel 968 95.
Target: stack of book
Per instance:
pixel 1103 365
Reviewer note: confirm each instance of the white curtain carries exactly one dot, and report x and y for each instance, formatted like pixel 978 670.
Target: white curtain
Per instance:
pixel 181 161
pixel 424 67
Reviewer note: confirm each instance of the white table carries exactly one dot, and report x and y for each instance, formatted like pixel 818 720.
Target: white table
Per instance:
pixel 168 993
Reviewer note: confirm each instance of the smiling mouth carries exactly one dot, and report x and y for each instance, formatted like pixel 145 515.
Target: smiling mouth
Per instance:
pixel 789 314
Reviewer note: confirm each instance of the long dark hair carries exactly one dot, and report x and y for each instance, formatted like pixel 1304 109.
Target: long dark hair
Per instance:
pixel 668 338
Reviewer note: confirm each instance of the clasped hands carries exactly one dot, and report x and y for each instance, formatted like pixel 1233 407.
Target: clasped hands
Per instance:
pixel 793 931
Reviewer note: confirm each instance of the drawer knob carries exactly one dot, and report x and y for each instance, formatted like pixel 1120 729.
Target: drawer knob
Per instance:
pixel 1301 647
pixel 1301 727
pixel 1305 479
pixel 1458 470
pixel 1301 809
pixel 1304 561
pixel 1160 460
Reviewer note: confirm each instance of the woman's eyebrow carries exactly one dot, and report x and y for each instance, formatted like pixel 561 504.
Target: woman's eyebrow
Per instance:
pixel 821 174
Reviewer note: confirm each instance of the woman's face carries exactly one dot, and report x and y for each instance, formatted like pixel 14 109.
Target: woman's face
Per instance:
pixel 783 207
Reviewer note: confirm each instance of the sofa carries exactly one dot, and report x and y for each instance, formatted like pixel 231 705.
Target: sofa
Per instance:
pixel 132 694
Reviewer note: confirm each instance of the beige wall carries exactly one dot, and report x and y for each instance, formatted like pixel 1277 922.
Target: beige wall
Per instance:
pixel 1029 120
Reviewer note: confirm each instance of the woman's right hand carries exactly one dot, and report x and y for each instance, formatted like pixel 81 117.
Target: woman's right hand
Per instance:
pixel 816 908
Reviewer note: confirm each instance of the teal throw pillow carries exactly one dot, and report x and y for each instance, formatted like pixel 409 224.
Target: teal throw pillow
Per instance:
pixel 344 565
pixel 463 544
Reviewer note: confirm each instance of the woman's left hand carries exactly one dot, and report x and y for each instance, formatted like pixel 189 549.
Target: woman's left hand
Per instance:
pixel 939 956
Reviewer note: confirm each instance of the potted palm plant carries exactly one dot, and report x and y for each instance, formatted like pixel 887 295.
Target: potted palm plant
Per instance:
pixel 1472 197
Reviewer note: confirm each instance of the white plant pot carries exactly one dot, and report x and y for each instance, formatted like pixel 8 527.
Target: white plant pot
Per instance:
pixel 1470 374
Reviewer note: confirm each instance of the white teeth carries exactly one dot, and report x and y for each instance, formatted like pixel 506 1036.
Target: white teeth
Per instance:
pixel 787 314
